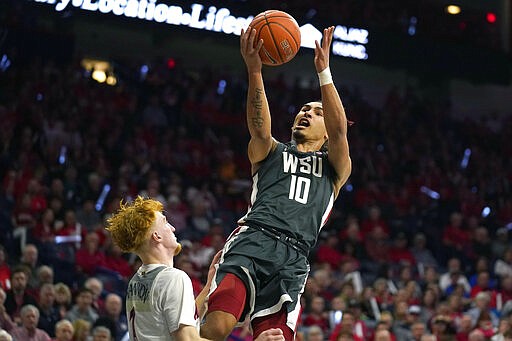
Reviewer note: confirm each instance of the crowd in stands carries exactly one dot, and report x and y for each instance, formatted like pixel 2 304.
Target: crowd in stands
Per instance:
pixel 417 246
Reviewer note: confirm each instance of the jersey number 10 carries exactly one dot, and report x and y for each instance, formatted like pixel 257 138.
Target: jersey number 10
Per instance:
pixel 299 189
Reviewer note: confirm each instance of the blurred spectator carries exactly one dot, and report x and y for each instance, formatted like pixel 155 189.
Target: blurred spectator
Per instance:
pixel 70 226
pixel 45 275
pixel 403 330
pixel 327 251
pixel 464 327
pixel 383 296
pixel 337 307
pixel 456 237
pixel 399 252
pixel 198 222
pixel 377 245
pixel 82 309
pixel 483 283
pixel 500 243
pixel 442 327
pixel 503 265
pixel 96 287
pixel 429 304
pixel 352 235
pixel 355 308
pixel 101 333
pixel 422 255
pixel 63 331
pixel 44 231
pixel 63 298
pixel 5 336
pixel 345 328
pixel 418 329
pixel 374 221
pixel 503 328
pixel 482 308
pixel 82 329
pixel 314 333
pixel 453 277
pixel 481 243
pixel 476 335
pixel 455 308
pixel 5 270
pixel 503 296
pixel 485 324
pixel 28 329
pixel 383 335
pixel 18 296
pixel 89 256
pixel 30 260
pixel 116 262
pixel 5 319
pixel 113 311
pixel 482 264
pixel 316 315
pixel 48 313
pixel 324 279
pixel 153 115
pixel 23 215
pixel 87 216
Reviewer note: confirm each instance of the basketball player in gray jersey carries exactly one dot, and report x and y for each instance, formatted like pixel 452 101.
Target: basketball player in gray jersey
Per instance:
pixel 160 301
pixel 264 266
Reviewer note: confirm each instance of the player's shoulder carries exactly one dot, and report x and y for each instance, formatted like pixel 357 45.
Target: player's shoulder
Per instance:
pixel 173 274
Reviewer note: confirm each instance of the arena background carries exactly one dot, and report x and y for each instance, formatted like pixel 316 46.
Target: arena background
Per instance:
pixel 464 57
pixel 431 145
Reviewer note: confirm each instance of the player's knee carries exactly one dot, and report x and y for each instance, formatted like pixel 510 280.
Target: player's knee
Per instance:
pixel 218 325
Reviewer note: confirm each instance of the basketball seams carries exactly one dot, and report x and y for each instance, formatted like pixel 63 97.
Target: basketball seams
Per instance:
pixel 290 33
pixel 276 47
pixel 286 29
pixel 266 14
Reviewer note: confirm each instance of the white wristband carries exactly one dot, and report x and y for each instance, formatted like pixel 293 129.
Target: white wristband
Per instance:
pixel 325 76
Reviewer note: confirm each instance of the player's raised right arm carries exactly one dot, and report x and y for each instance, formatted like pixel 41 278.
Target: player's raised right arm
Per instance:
pixel 258 113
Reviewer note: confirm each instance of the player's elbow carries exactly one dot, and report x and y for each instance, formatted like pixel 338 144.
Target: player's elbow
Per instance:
pixel 218 326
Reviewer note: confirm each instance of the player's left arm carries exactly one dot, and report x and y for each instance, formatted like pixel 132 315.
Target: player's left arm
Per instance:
pixel 187 333
pixel 201 297
pixel 334 113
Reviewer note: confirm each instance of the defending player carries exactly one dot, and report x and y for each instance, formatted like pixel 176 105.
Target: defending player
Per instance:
pixel 160 301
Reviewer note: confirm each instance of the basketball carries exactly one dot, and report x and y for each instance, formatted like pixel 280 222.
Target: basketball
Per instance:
pixel 281 36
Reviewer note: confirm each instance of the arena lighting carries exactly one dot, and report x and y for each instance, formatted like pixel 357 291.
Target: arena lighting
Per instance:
pixel 465 159
pixel 490 17
pixel 431 193
pixel 99 76
pixel 453 9
pixel 111 80
pixel 101 71
pixel 486 211
pixel 348 41
pixel 102 197
pixel 4 63
pixel 62 155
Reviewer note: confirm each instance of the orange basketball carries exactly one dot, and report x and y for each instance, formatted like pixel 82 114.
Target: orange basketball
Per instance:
pixel 281 36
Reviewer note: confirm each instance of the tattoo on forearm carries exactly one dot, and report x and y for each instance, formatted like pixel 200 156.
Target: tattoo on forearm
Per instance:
pixel 257 105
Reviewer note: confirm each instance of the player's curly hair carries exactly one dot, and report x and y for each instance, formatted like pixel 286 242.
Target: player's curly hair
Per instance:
pixel 130 225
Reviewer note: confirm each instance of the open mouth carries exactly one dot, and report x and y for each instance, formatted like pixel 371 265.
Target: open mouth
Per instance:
pixel 303 122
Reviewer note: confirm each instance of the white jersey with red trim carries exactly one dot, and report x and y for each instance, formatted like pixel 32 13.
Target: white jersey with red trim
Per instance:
pixel 159 299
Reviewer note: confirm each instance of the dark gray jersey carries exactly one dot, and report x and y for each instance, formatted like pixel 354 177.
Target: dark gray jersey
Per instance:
pixel 292 192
